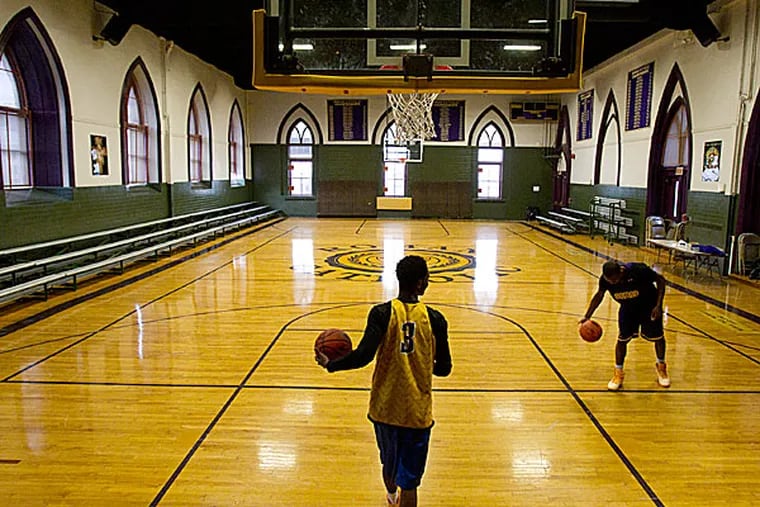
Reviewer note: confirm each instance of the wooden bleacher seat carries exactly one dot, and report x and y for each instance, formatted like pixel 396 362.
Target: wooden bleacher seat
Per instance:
pixel 555 224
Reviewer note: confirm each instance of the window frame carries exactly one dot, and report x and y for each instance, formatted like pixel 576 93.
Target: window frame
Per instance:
pixel 395 165
pixel 236 147
pixel 23 116
pixel 487 141
pixel 305 177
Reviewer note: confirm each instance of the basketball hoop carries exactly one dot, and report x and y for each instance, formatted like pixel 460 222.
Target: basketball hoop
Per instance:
pixel 413 113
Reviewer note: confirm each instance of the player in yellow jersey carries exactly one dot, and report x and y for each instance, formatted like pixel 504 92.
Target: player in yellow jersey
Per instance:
pixel 409 342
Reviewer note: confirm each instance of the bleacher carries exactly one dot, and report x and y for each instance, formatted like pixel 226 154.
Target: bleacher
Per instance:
pixel 59 268
pixel 555 224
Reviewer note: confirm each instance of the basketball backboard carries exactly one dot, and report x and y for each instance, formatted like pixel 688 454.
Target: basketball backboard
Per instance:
pixel 358 46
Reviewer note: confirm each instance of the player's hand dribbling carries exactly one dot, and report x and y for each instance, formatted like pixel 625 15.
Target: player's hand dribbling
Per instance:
pixel 321 359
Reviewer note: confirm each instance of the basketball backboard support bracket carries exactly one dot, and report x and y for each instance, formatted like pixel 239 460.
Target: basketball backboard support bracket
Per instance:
pixel 382 84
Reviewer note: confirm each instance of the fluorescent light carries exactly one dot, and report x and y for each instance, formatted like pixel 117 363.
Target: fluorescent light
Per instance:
pixel 307 46
pixel 522 47
pixel 406 47
pixel 537 21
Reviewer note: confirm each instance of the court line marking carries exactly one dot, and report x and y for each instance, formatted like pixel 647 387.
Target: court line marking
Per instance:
pixel 582 404
pixel 132 312
pixel 180 468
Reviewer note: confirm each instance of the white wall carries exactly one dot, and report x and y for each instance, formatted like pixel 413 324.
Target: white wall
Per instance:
pixel 95 72
pixel 266 110
pixel 714 83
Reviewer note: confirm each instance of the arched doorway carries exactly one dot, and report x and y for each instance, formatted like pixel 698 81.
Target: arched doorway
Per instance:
pixel 563 149
pixel 748 210
pixel 675 163
pixel 670 156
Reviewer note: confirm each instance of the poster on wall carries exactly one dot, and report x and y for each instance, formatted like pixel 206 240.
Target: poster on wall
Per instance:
pixel 585 114
pixel 711 161
pixel 448 119
pixel 347 120
pixel 99 154
pixel 638 100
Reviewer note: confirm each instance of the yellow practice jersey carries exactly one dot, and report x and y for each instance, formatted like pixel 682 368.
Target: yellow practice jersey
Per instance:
pixel 402 383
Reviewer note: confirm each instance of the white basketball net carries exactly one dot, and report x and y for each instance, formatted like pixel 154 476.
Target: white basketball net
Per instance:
pixel 413 115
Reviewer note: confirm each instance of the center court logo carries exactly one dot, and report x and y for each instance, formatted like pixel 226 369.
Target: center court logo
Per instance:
pixel 367 263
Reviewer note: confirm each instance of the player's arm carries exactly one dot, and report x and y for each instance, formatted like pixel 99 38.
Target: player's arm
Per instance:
pixel 377 325
pixel 442 360
pixel 594 303
pixel 660 283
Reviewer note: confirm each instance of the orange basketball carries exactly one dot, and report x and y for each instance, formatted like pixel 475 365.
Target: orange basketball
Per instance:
pixel 334 343
pixel 590 330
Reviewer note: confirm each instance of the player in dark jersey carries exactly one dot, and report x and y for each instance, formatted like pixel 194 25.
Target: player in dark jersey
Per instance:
pixel 640 291
pixel 409 342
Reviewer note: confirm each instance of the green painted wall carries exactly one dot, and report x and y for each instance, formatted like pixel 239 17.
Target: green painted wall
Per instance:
pixel 709 211
pixel 524 168
pixel 442 163
pixel 635 201
pixel 187 198
pixel 33 216
pixel 710 216
pixel 350 163
pixel 269 180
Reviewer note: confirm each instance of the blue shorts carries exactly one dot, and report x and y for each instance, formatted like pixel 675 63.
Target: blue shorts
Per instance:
pixel 631 318
pixel 403 453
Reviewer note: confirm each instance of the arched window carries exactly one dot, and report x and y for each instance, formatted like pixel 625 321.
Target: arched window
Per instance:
pixel 395 155
pixel 490 162
pixel 139 129
pixel 677 150
pixel 236 143
pixel 35 118
pixel 199 139
pixel 14 129
pixel 300 159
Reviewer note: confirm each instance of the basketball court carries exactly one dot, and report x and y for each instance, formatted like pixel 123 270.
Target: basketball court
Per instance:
pixel 197 385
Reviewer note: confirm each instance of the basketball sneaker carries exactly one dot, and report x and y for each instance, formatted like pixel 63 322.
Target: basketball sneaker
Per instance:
pixel 662 374
pixel 617 380
pixel 393 498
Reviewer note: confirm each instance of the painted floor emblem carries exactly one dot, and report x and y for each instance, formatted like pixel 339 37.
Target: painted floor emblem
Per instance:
pixel 371 261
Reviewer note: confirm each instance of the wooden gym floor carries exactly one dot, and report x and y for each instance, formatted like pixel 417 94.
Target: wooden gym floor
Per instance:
pixel 192 381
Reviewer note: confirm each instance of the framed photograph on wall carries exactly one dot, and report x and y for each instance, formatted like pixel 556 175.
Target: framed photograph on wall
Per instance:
pixel 711 161
pixel 99 154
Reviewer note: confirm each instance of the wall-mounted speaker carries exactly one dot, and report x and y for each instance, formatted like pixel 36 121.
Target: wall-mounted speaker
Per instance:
pixel 115 30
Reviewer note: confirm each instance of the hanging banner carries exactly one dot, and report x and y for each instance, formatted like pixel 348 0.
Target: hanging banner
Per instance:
pixel 347 120
pixel 585 114
pixel 448 119
pixel 638 100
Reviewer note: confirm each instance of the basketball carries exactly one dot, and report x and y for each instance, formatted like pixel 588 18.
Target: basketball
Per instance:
pixel 334 343
pixel 590 330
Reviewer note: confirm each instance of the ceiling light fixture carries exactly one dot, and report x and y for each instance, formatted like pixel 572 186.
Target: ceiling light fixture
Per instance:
pixel 522 47
pixel 406 47
pixel 307 46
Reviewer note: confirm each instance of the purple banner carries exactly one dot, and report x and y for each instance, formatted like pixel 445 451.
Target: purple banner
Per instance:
pixel 448 118
pixel 585 115
pixel 347 120
pixel 638 100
